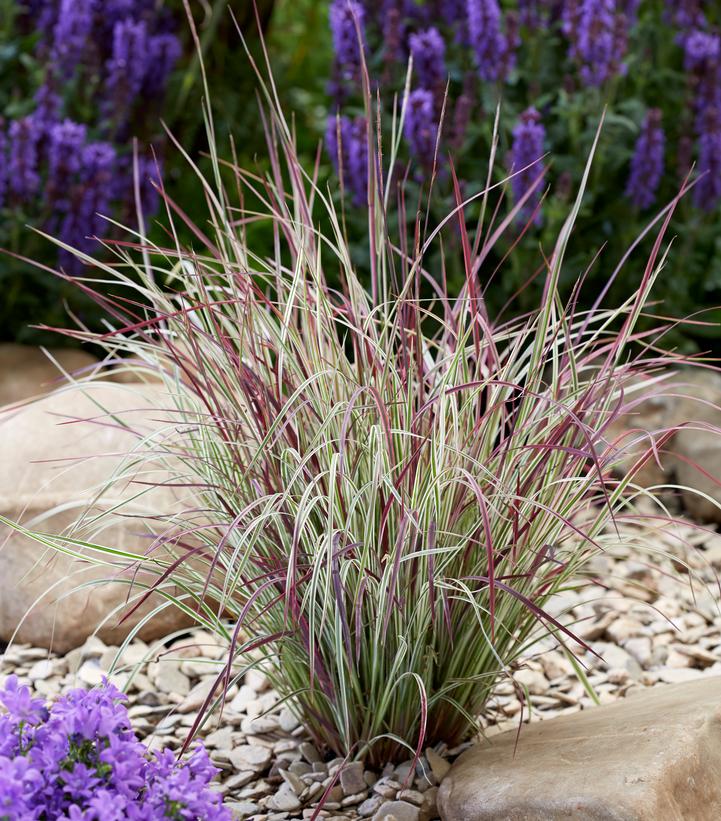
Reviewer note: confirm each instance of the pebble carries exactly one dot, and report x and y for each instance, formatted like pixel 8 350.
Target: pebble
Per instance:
pixel 250 757
pixel 166 676
pixel 90 673
pixel 41 670
pixel 352 779
pixel 397 811
pixel 284 799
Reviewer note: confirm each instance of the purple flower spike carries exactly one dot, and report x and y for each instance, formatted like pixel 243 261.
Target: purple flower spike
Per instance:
pixel 529 136
pixel 71 33
pixel 420 127
pixel 66 141
pixel 48 105
pixel 453 11
pixel 707 191
pixel 3 171
pixel 701 49
pixel 163 53
pixel 429 51
pixel 349 155
pixel 346 24
pixel 23 177
pixel 647 162
pixel 686 14
pixel 598 40
pixel 127 67
pixel 493 50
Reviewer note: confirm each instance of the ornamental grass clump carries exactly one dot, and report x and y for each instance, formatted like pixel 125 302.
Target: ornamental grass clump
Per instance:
pixel 384 486
pixel 80 760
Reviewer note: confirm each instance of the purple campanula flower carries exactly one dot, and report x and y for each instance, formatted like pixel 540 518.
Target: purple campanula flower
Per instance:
pixel 527 149
pixel 66 141
pixel 598 40
pixel 80 760
pixel 647 162
pixel 420 127
pixel 707 191
pixel 493 50
pixel 70 35
pixel 429 51
pixel 127 67
pixel 23 177
pixel 346 24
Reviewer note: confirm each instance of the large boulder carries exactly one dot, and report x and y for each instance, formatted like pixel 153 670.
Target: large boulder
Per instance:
pixel 655 755
pixel 57 456
pixel 685 410
pixel 26 371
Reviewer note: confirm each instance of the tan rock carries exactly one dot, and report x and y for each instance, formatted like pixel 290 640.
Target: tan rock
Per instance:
pixel 26 371
pixel 652 756
pixel 53 469
pixel 691 402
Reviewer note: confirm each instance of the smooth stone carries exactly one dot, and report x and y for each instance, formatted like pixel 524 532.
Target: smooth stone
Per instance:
pixel 58 453
pixel 309 752
pixel 41 670
pixel 250 757
pixel 650 756
pixel 352 779
pixel 396 811
pixel 439 765
pixel 26 371
pixel 284 799
pixel 166 676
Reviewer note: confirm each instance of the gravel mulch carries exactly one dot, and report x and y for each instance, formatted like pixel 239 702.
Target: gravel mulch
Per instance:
pixel 652 619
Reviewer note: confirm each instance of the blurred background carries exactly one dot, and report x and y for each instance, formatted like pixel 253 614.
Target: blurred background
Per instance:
pixel 90 92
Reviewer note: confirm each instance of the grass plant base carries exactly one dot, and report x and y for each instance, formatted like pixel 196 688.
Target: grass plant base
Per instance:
pixel 649 627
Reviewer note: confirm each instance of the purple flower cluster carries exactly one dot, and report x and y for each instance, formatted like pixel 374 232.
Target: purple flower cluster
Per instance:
pixel 347 145
pixel 527 149
pixel 80 761
pixel 429 51
pixel 597 32
pixel 346 24
pixel 494 50
pixel 420 128
pixel 82 167
pixel 702 60
pixel 648 162
pixel 707 192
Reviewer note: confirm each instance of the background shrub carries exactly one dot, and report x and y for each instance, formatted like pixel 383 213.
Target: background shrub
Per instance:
pixel 85 87
pixel 553 65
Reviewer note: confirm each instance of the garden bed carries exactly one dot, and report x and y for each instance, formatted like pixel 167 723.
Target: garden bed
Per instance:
pixel 649 626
